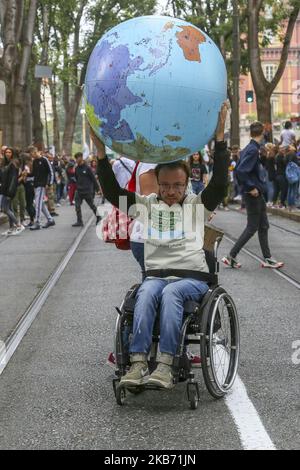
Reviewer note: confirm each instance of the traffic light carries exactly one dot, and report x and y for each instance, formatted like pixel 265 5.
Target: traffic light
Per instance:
pixel 249 96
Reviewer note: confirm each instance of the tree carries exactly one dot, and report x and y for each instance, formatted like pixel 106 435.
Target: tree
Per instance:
pixel 17 27
pixel 281 19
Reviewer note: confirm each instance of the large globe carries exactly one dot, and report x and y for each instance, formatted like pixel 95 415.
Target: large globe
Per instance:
pixel 154 87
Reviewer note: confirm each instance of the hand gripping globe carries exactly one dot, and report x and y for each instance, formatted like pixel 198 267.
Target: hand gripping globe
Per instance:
pixel 154 87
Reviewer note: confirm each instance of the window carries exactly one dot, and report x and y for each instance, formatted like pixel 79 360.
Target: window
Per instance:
pixel 269 71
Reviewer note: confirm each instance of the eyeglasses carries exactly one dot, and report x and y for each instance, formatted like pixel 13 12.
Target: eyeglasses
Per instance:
pixel 177 186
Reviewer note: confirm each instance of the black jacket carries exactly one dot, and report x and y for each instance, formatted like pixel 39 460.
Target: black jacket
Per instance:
pixel 85 179
pixel 9 181
pixel 42 172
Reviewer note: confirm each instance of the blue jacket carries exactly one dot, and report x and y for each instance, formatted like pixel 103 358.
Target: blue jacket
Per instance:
pixel 249 170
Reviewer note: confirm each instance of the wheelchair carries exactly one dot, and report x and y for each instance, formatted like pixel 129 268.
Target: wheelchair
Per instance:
pixel 210 325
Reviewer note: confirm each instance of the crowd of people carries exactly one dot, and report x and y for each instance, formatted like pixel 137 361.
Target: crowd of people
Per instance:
pixel 281 166
pixel 34 182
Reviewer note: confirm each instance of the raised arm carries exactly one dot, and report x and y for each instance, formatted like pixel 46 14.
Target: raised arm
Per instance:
pixel 215 191
pixel 109 184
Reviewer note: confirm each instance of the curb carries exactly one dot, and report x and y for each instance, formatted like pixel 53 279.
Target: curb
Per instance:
pixel 284 213
pixel 3 219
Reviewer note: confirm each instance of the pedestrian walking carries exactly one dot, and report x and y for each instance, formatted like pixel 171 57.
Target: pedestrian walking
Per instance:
pixel 72 186
pixel 251 176
pixel 9 185
pixel 86 186
pixel 43 175
pixel 29 190
pixel 199 176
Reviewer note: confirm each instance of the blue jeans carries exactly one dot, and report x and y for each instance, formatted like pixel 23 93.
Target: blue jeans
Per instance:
pixel 197 186
pixel 167 297
pixel 292 193
pixel 270 192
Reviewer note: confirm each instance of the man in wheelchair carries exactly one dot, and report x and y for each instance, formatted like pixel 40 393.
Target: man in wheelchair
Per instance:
pixel 176 268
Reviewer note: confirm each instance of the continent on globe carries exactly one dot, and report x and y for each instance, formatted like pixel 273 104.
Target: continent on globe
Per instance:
pixel 189 39
pixel 111 95
pixel 142 146
pixel 173 138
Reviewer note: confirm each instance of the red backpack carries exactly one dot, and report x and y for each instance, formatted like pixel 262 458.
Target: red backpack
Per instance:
pixel 116 225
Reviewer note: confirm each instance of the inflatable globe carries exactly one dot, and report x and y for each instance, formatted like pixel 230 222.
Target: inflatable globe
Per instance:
pixel 154 87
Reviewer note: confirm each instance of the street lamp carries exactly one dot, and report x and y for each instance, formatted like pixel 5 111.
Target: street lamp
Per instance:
pixel 82 112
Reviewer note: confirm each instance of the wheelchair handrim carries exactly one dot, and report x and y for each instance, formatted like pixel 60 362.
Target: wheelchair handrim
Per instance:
pixel 234 347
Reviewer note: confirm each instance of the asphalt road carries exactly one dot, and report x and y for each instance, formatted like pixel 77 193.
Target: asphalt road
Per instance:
pixel 56 392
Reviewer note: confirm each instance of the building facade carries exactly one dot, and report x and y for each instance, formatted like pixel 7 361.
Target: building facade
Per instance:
pixel 286 97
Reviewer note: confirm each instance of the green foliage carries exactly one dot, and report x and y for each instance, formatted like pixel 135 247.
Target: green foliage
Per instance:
pixel 92 118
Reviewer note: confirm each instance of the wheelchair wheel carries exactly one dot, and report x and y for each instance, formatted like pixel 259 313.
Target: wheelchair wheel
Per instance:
pixel 193 394
pixel 120 395
pixel 220 343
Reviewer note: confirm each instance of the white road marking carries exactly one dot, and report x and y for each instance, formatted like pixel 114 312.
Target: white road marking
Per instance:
pixel 251 430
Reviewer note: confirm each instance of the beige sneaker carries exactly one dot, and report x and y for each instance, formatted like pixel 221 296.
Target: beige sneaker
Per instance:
pixel 138 373
pixel 162 376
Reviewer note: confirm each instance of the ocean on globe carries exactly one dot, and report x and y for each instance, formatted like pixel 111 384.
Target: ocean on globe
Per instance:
pixel 154 87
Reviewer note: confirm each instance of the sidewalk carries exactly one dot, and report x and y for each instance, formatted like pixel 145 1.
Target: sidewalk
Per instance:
pixel 285 213
pixel 292 215
pixel 27 261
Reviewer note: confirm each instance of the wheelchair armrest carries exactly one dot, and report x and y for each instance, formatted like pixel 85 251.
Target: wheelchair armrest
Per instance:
pixel 190 306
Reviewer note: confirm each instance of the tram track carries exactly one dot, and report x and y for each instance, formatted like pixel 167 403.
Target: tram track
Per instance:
pixel 9 346
pixel 279 272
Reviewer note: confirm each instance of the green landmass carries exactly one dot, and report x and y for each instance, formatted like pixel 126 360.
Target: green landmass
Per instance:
pixel 141 146
pixel 93 119
pixel 173 138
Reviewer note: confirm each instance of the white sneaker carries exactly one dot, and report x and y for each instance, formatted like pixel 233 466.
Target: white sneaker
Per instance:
pixel 21 228
pixel 272 263
pixel 7 232
pixel 18 230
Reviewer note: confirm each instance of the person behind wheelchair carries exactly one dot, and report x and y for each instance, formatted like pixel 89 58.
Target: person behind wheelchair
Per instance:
pixel 166 290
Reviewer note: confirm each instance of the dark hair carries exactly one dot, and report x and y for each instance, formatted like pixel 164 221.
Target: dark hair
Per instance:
pixel 256 129
pixel 78 154
pixel 180 164
pixel 191 159
pixel 288 125
pixel 32 149
pixel 6 160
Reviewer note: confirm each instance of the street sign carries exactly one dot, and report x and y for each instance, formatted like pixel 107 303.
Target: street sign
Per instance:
pixel 42 71
pixel 2 92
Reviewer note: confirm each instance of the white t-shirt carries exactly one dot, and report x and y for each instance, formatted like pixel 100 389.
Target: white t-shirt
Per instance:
pixel 121 173
pixel 288 137
pixel 137 227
